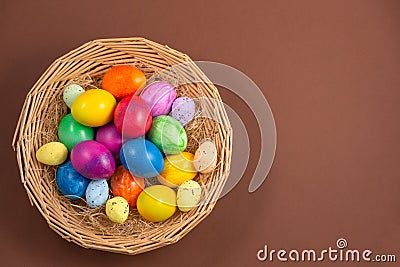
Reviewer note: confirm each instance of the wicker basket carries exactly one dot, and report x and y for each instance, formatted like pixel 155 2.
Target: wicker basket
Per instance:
pixel 39 119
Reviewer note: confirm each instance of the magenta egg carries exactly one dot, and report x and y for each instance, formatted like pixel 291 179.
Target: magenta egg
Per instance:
pixel 109 136
pixel 92 160
pixel 159 96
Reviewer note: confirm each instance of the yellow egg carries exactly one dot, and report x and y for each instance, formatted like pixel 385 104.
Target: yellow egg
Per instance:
pixel 117 209
pixel 94 108
pixel 178 168
pixel 53 153
pixel 205 158
pixel 156 203
pixel 188 195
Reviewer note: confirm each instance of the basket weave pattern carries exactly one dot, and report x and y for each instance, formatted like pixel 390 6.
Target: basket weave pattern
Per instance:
pixel 44 108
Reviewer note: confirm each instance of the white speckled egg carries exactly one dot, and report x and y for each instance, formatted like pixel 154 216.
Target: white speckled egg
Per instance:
pixel 183 110
pixel 71 92
pixel 188 195
pixel 53 153
pixel 97 193
pixel 205 158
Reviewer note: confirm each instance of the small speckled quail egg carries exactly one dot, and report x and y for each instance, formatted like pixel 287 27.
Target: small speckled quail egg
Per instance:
pixel 183 110
pixel 97 193
pixel 71 92
pixel 53 153
pixel 117 209
pixel 205 158
pixel 188 195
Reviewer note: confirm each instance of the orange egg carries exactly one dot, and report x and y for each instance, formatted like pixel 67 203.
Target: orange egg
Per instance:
pixel 123 184
pixel 123 80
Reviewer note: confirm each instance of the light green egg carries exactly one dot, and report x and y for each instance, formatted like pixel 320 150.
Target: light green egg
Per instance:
pixel 71 92
pixel 53 153
pixel 167 134
pixel 188 195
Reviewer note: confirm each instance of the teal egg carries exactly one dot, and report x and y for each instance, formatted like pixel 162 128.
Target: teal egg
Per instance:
pixel 167 134
pixel 71 132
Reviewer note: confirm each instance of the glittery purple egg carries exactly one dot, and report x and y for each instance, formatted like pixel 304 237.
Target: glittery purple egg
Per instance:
pixel 92 160
pixel 109 136
pixel 183 110
pixel 159 96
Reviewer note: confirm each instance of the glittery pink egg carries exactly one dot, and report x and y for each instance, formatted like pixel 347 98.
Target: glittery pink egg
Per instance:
pixel 159 96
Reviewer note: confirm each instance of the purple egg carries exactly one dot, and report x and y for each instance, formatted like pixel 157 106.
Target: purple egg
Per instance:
pixel 92 160
pixel 159 96
pixel 183 110
pixel 109 136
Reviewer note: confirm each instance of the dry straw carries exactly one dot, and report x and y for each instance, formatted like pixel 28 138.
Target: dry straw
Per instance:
pixel 44 108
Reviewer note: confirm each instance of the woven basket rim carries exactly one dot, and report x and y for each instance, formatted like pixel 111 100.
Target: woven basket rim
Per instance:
pixel 93 58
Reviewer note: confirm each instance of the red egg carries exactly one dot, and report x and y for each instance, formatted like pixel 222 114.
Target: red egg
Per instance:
pixel 132 117
pixel 123 184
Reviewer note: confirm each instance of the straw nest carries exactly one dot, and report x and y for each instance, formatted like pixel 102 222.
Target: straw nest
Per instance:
pixel 44 108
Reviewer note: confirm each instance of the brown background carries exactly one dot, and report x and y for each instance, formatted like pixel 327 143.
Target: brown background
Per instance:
pixel 330 71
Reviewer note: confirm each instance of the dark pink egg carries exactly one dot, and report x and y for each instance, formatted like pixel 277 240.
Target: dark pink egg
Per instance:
pixel 92 160
pixel 109 136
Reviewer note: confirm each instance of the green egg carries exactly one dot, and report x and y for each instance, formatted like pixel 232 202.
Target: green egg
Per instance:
pixel 167 134
pixel 71 132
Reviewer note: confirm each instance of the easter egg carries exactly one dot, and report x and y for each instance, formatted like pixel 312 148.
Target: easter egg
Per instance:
pixel 188 195
pixel 123 80
pixel 71 132
pixel 183 110
pixel 53 153
pixel 132 117
pixel 178 168
pixel 70 183
pixel 94 108
pixel 142 158
pixel 117 209
pixel 205 158
pixel 167 134
pixel 159 96
pixel 157 203
pixel 123 184
pixel 71 92
pixel 93 160
pixel 109 136
pixel 97 193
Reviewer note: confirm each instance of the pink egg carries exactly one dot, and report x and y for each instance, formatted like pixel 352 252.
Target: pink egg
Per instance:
pixel 159 96
pixel 109 136
pixel 92 160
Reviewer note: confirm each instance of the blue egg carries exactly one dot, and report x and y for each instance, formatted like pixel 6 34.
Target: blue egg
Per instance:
pixel 97 193
pixel 70 183
pixel 142 158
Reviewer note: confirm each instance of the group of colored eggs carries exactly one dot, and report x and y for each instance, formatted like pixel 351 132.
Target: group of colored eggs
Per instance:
pixel 143 134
